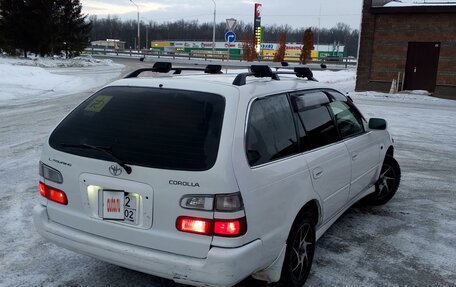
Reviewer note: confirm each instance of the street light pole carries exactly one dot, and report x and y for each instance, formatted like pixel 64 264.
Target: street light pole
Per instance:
pixel 139 35
pixel 147 32
pixel 213 28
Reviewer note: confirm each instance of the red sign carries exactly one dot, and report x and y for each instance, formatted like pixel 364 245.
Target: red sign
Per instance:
pixel 258 10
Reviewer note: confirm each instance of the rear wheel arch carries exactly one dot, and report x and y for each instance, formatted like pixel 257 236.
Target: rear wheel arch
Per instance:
pixel 312 209
pixel 390 151
pixel 300 246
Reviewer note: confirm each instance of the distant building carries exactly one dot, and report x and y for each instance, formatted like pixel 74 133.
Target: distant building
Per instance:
pixel 415 41
pixel 113 44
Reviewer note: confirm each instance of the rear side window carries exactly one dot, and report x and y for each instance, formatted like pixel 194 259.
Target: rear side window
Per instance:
pixel 159 128
pixel 315 118
pixel 271 133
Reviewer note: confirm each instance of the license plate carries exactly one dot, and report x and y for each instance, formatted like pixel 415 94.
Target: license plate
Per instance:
pixel 131 208
pixel 120 205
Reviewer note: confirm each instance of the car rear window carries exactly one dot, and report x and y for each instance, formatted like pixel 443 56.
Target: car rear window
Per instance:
pixel 151 127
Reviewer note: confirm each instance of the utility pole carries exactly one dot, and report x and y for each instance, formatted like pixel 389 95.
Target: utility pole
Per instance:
pixel 147 37
pixel 213 28
pixel 139 35
pixel 319 30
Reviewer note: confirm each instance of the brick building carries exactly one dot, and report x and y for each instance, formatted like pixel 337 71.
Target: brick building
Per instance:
pixel 418 41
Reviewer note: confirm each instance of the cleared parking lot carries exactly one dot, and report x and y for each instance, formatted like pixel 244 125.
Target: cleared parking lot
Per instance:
pixel 408 242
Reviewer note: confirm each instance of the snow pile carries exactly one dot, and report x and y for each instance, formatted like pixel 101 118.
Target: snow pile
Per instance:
pixel 412 96
pixel 86 61
pixel 332 77
pixel 343 80
pixel 21 82
pixel 24 84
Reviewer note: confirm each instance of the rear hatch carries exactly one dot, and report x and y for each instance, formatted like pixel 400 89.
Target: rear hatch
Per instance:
pixel 176 143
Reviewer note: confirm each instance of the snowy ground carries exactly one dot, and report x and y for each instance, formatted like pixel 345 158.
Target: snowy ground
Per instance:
pixel 408 242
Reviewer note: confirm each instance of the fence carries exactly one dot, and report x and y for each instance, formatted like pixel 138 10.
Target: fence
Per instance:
pixel 209 55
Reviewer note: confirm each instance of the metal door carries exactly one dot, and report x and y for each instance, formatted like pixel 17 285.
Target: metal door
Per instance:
pixel 422 65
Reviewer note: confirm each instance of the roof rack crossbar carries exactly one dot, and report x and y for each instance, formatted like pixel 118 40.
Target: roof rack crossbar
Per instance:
pixel 258 71
pixel 300 73
pixel 304 72
pixel 209 69
pixel 261 71
pixel 136 73
pixel 166 67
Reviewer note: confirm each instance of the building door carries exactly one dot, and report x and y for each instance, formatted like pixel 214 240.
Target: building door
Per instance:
pixel 422 64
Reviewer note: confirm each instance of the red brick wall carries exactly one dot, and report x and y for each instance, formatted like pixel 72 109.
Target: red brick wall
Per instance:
pixel 384 44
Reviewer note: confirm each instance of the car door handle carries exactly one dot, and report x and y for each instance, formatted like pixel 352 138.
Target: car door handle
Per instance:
pixel 317 172
pixel 354 156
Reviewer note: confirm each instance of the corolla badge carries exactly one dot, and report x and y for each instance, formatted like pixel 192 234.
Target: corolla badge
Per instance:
pixel 115 170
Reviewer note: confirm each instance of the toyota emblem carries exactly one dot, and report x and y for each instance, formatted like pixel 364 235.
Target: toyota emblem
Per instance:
pixel 115 170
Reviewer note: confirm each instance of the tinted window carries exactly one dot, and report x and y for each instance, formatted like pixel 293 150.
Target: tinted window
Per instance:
pixel 316 119
pixel 158 128
pixel 271 132
pixel 348 122
pixel 311 99
pixel 337 96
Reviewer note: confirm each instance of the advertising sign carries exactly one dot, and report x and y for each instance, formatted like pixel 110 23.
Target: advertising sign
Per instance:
pixel 257 27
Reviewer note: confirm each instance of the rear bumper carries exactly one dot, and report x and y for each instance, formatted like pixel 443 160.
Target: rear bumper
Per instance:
pixel 222 267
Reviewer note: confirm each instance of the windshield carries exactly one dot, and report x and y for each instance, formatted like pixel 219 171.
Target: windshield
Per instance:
pixel 151 127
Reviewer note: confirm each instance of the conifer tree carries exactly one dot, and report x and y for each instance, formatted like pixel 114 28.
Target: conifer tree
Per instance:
pixel 248 50
pixel 14 25
pixel 307 47
pixel 280 54
pixel 44 27
pixel 74 29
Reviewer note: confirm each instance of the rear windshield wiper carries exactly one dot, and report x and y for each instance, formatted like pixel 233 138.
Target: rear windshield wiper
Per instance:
pixel 104 149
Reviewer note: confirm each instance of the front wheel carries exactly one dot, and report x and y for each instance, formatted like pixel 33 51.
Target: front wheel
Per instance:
pixel 387 183
pixel 299 254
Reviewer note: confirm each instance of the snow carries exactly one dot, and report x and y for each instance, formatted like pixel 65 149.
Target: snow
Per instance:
pixel 22 81
pixel 85 61
pixel 407 242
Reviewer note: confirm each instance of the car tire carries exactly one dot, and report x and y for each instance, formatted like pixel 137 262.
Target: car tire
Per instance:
pixel 299 254
pixel 387 183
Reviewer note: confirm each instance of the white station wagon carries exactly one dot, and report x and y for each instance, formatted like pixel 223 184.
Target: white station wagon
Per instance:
pixel 207 179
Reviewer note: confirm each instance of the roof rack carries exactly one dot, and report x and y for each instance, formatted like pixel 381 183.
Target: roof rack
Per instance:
pixel 166 67
pixel 264 71
pixel 258 71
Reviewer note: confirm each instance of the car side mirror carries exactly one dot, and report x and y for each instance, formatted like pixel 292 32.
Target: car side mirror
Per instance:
pixel 377 124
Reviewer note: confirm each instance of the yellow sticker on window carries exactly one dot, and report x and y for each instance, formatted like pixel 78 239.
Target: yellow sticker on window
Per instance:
pixel 97 104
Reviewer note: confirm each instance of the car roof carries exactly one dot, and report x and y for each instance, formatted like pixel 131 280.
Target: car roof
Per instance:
pixel 222 83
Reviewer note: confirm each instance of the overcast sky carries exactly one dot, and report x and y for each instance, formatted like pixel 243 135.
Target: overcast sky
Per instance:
pixel 297 13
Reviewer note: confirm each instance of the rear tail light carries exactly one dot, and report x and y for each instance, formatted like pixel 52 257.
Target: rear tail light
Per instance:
pixel 199 202
pixel 53 194
pixel 42 188
pixel 230 227
pixel 50 173
pixel 201 226
pixel 212 227
pixel 220 203
pixel 229 202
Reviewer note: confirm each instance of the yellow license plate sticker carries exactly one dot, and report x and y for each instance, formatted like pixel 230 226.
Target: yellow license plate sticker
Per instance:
pixel 97 104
